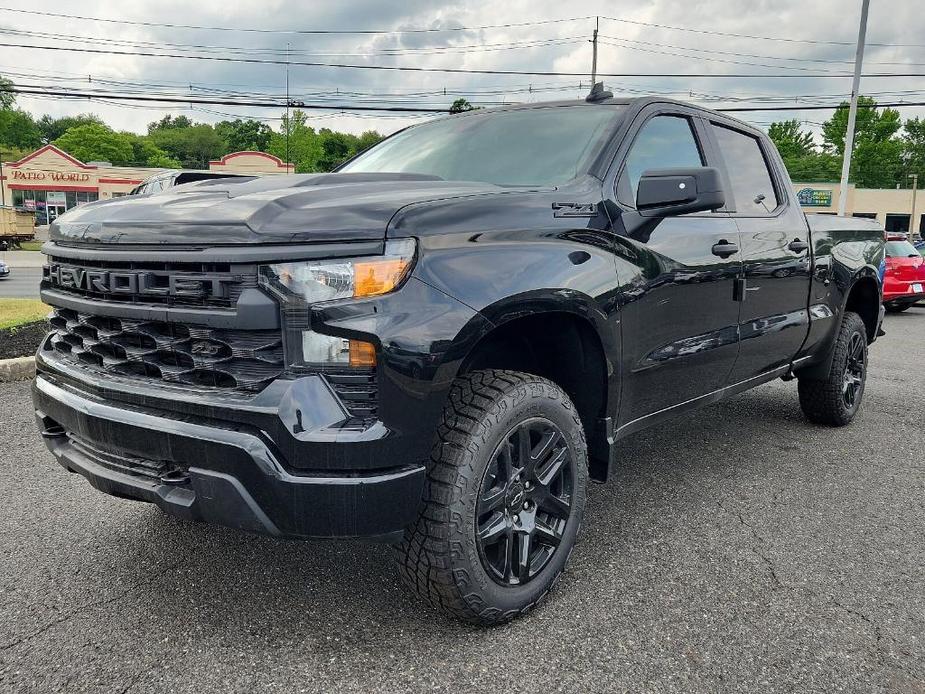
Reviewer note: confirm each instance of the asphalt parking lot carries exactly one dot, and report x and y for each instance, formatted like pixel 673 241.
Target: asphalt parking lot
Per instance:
pixel 22 283
pixel 739 549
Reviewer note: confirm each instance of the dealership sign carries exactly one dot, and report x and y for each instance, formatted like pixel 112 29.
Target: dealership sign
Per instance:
pixel 815 197
pixel 55 176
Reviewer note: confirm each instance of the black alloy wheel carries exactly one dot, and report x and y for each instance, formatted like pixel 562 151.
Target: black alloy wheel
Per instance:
pixel 503 499
pixel 855 366
pixel 834 398
pixel 524 502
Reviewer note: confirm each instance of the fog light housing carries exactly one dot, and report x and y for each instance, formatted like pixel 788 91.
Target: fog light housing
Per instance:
pixel 329 350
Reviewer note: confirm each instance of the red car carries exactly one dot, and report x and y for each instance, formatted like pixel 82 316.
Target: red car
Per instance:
pixel 904 280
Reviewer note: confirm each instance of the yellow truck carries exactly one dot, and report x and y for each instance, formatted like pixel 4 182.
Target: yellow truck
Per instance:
pixel 15 227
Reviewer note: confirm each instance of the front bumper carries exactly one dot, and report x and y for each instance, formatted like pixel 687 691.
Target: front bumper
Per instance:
pixel 229 475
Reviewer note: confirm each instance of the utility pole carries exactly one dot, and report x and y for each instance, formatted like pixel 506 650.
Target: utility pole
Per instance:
pixel 597 23
pixel 852 111
pixel 915 187
pixel 288 121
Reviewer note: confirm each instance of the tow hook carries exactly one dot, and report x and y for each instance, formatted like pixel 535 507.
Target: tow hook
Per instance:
pixel 53 432
pixel 175 476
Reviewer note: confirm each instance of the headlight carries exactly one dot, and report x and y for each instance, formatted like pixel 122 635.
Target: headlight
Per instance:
pixel 323 280
pixel 299 285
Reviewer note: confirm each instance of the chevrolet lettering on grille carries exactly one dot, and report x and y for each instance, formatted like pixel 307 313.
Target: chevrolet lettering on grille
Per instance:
pixel 137 282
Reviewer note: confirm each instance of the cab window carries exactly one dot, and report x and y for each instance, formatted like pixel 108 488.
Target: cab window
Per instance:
pixel 664 142
pixel 750 178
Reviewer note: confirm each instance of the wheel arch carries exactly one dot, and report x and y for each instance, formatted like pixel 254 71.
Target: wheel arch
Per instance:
pixel 535 339
pixel 862 297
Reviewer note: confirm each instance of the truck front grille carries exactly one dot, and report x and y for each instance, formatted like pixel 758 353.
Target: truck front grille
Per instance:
pixel 186 354
pixel 150 283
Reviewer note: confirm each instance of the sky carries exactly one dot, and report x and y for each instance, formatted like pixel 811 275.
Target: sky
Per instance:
pixel 709 37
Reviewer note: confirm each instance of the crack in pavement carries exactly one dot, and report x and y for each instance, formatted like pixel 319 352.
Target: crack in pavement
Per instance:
pixel 86 606
pixel 878 634
pixel 772 571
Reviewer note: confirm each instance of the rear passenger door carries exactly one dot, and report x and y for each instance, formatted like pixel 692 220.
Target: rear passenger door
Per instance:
pixel 677 276
pixel 776 257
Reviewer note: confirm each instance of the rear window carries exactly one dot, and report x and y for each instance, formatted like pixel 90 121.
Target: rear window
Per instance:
pixel 900 249
pixel 752 185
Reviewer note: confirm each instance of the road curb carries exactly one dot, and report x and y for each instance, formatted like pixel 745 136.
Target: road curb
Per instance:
pixel 18 369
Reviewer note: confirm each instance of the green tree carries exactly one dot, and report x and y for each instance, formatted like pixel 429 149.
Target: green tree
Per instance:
pixel 146 153
pixel 877 160
pixel 367 140
pixel 461 105
pixel 790 140
pixel 914 148
pixel 53 128
pixel 802 158
pixel 18 131
pixel 98 142
pixel 169 122
pixel 336 147
pixel 7 96
pixel 244 135
pixel 304 146
pixel 194 147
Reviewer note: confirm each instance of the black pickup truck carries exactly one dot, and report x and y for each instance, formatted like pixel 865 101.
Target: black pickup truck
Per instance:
pixel 441 343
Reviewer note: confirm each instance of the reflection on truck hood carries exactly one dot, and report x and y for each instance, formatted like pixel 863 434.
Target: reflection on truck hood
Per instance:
pixel 277 209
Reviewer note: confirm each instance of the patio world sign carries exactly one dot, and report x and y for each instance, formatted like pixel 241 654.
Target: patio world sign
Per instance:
pixel 814 197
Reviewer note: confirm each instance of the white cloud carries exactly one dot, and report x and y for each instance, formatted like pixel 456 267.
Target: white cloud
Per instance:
pixel 635 48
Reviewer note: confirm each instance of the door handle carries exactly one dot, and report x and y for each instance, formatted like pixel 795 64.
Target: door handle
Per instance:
pixel 797 246
pixel 724 249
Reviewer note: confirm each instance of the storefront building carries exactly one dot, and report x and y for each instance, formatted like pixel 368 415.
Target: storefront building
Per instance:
pixel 891 207
pixel 251 163
pixel 49 181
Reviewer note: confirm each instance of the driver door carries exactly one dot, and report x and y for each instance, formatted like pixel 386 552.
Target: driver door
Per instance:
pixel 678 279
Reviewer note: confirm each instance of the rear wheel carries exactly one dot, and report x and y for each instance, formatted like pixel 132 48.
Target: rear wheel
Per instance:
pixel 503 500
pixel 835 399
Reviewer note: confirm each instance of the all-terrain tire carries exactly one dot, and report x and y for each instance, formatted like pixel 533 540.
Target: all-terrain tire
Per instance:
pixel 439 557
pixel 824 401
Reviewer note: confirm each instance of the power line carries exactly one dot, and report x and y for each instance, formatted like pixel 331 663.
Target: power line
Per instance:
pixel 466 71
pixel 422 50
pixel 425 30
pixel 714 60
pixel 43 91
pixel 711 32
pixel 318 92
pixel 817 107
pixel 296 31
pixel 825 61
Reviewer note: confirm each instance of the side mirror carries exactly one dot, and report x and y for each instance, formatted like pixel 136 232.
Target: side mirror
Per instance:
pixel 672 192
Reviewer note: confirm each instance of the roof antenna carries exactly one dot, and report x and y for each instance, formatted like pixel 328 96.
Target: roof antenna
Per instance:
pixel 598 93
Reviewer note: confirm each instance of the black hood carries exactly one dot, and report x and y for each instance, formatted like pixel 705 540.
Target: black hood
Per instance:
pixel 273 209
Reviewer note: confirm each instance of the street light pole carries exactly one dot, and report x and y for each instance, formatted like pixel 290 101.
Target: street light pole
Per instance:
pixel 852 111
pixel 597 22
pixel 915 187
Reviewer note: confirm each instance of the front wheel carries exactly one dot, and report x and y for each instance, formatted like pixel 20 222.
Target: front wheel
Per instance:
pixel 503 500
pixel 835 399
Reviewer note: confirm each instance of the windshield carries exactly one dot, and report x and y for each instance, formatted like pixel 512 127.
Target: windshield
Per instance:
pixel 522 147
pixel 900 249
